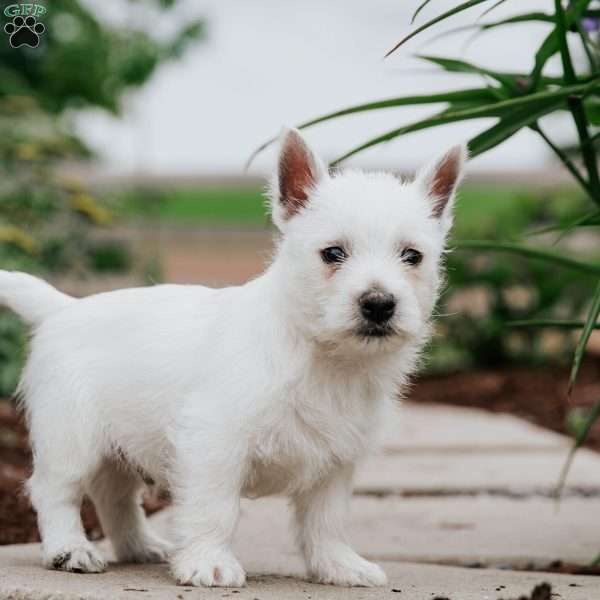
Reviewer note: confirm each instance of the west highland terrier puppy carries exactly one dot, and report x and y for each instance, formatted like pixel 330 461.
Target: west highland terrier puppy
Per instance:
pixel 274 387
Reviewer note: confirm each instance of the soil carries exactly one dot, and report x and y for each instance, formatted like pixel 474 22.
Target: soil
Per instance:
pixel 538 395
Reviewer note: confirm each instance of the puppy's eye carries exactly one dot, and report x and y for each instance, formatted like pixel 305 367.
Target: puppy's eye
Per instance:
pixel 411 256
pixel 333 255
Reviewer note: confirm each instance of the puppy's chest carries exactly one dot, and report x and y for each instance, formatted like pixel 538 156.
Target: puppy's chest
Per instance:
pixel 310 432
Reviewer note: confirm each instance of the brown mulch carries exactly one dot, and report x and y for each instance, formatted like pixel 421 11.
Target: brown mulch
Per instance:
pixel 538 395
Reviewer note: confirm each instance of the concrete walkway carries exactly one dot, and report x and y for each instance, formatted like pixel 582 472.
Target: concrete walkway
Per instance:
pixel 450 490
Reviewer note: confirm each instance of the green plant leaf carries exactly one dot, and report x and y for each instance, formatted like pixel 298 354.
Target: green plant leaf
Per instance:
pixel 579 440
pixel 590 219
pixel 590 325
pixel 588 47
pixel 451 65
pixel 483 27
pixel 515 82
pixel 559 260
pixel 449 13
pixel 551 44
pixel 592 110
pixel 470 96
pixel 487 11
pixel 563 45
pixel 540 17
pixel 441 118
pixel 564 158
pixel 498 109
pixel 550 323
pixel 575 103
pixel 419 9
pixel 509 125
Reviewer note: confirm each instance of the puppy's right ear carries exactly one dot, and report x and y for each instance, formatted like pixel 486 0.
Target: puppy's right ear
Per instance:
pixel 298 172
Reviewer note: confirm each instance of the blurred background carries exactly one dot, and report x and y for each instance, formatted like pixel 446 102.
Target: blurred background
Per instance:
pixel 125 135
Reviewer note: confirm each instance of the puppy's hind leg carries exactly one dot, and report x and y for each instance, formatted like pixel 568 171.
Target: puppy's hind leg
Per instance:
pixel 56 491
pixel 116 491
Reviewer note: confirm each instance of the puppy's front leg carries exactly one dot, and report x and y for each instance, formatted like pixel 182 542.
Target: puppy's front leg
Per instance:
pixel 321 513
pixel 207 500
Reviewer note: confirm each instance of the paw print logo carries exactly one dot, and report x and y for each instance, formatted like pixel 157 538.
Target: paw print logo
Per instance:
pixel 24 32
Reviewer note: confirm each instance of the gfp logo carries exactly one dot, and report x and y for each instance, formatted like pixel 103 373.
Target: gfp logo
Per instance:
pixel 24 29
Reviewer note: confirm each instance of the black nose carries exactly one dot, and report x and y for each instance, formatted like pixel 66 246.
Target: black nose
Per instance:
pixel 377 307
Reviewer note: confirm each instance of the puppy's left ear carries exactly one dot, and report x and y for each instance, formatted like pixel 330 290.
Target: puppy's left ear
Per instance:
pixel 439 181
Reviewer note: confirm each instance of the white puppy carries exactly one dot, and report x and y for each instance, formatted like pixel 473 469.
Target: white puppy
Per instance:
pixel 274 387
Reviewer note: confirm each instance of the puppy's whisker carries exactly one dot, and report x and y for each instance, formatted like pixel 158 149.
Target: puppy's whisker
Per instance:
pixel 444 315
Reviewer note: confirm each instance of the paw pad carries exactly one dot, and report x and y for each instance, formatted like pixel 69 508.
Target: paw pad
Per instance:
pixel 59 560
pixel 77 560
pixel 24 32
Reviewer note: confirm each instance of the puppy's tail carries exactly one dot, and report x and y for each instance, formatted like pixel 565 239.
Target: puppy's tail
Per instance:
pixel 31 298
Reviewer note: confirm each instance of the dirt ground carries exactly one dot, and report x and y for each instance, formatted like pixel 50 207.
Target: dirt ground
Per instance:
pixel 537 395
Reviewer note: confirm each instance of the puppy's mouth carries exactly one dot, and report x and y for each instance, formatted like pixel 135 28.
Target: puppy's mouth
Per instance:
pixel 369 331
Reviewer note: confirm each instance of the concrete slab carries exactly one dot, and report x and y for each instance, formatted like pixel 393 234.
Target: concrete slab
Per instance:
pixel 481 531
pixel 22 579
pixel 462 471
pixel 518 473
pixel 433 427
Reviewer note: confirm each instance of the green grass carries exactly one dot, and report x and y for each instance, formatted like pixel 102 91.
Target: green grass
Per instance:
pixel 198 206
pixel 504 212
pixel 489 211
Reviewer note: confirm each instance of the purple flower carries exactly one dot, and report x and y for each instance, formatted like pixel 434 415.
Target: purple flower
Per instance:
pixel 590 24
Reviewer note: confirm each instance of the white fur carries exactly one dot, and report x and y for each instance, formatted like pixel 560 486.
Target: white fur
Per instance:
pixel 217 393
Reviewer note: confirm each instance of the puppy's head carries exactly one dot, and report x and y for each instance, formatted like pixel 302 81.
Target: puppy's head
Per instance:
pixel 360 252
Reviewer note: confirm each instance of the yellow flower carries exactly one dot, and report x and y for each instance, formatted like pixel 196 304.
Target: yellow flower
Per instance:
pixel 27 151
pixel 14 235
pixel 85 204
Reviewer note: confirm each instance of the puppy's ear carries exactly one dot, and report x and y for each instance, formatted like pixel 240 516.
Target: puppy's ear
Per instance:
pixel 298 172
pixel 439 181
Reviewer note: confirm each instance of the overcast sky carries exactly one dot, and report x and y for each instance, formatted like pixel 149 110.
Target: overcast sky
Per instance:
pixel 265 63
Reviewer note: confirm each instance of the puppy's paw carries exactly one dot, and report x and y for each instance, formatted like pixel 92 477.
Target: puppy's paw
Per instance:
pixel 210 569
pixel 148 548
pixel 347 569
pixel 82 559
